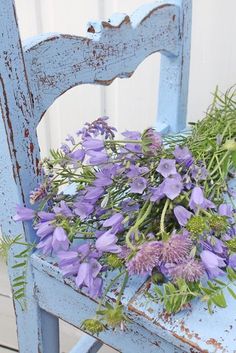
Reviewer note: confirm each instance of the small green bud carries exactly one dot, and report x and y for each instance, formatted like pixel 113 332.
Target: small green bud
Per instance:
pixel 114 316
pixel 196 225
pixel 218 223
pixel 93 326
pixel 157 277
pixel 114 261
pixel 231 244
pixel 230 145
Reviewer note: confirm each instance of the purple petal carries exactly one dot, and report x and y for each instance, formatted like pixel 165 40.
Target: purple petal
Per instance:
pixel 23 214
pixel 182 215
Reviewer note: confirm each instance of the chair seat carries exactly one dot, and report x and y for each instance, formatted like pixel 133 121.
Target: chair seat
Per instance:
pixel 192 330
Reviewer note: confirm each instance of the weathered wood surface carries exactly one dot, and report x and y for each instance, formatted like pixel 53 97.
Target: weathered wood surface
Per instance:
pixel 74 307
pixel 30 81
pixel 114 49
pixel 69 335
pixel 187 331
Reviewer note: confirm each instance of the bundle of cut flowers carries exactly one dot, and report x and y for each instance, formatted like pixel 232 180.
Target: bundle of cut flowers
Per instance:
pixel 142 205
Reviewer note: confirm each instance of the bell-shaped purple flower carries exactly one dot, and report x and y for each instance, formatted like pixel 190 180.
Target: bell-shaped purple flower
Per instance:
pixel 138 185
pixel 93 193
pixel 69 262
pixel 23 214
pixel 182 215
pixel 212 263
pixel 93 144
pixel 173 186
pixel 87 272
pixel 77 155
pixel 97 157
pixel 157 193
pixel 166 167
pixel 114 220
pixel 44 229
pixel 232 261
pixel 45 245
pixel 46 216
pixel 107 243
pixel 183 155
pixel 63 209
pixel 59 239
pixel 197 200
pixel 225 210
pixel 83 209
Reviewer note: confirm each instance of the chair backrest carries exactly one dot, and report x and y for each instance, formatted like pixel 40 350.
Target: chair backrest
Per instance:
pixel 33 75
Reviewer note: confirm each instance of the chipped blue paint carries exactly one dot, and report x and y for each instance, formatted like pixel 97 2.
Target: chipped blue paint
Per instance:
pixel 30 80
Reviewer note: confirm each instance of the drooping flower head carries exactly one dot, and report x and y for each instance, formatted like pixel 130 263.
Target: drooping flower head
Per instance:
pixel 151 142
pixel 182 215
pixel 212 263
pixel 183 155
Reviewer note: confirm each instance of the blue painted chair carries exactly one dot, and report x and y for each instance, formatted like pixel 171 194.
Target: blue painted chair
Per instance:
pixel 32 76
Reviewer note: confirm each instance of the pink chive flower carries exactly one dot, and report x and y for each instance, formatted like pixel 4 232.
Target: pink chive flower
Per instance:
pixel 190 270
pixel 147 257
pixel 176 249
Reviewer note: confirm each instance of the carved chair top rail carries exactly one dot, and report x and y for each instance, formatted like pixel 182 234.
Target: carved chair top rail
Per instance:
pixel 33 76
pixel 113 49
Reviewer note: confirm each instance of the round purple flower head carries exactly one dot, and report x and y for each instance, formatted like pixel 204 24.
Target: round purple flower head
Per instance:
pixel 146 259
pixel 176 249
pixel 190 270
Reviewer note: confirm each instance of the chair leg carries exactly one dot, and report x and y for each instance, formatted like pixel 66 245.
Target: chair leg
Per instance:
pixel 37 330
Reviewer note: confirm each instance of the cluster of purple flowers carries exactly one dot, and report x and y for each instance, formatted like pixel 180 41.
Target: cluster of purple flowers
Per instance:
pixel 134 203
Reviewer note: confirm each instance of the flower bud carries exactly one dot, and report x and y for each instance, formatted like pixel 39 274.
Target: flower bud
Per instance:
pixel 151 142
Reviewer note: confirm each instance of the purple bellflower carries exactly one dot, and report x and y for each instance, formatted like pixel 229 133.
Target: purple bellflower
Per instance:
pixel 212 263
pixel 166 167
pixel 172 186
pixel 23 214
pixel 107 243
pixel 182 215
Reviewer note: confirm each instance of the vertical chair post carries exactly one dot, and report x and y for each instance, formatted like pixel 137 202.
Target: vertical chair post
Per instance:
pixel 174 77
pixel 17 124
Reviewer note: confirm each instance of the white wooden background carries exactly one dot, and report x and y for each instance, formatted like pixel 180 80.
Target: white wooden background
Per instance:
pixel 132 103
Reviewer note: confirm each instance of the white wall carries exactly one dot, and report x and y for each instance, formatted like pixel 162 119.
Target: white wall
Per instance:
pixel 132 103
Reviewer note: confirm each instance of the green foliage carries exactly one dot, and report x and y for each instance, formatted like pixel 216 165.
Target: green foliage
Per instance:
pixel 175 296
pixel 231 244
pixel 6 243
pixel 19 282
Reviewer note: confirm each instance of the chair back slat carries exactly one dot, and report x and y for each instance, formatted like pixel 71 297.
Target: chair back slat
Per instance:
pixel 32 78
pixel 113 49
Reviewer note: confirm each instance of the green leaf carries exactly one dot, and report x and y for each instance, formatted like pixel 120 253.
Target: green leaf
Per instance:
pixel 233 155
pixel 20 264
pixel 232 292
pixel 219 300
pixel 18 284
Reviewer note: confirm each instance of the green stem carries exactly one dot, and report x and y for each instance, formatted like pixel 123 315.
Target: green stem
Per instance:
pixel 162 221
pixel 139 221
pixel 218 165
pixel 122 288
pixel 108 288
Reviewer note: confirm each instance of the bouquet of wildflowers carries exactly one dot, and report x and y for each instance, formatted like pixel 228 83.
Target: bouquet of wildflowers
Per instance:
pixel 142 205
